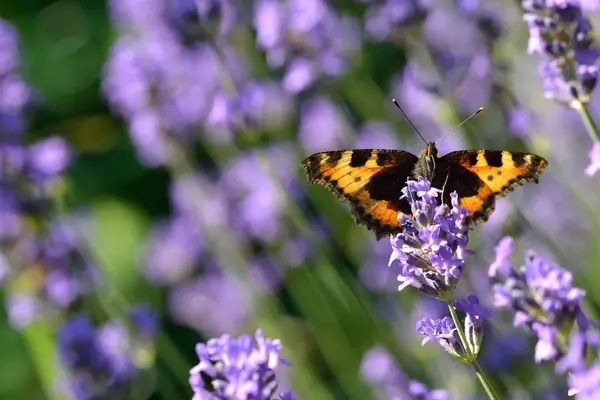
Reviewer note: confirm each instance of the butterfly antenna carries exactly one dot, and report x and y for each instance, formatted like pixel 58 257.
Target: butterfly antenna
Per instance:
pixel 409 121
pixel 461 124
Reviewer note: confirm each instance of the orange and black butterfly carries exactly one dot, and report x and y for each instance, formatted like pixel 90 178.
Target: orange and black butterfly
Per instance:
pixel 372 180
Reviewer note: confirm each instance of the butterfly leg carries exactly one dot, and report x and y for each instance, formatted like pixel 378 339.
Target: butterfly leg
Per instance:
pixel 445 182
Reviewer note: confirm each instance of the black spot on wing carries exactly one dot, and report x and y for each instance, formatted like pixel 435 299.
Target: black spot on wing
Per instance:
pixel 518 159
pixel 493 157
pixel 334 157
pixel 360 157
pixel 384 159
pixel 456 178
pixel 472 158
pixel 387 185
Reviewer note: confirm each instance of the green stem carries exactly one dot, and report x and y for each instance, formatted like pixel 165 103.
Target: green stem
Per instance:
pixel 461 332
pixel 472 358
pixel 590 125
pixel 484 380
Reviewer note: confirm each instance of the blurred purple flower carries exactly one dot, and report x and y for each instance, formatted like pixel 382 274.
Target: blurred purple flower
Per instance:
pixel 594 155
pixel 201 200
pixel 520 121
pixel 9 48
pixel 266 273
pixel 582 361
pixel 263 105
pixel 222 13
pixel 221 303
pixel 382 17
pixel 173 250
pixel 259 106
pixel 376 135
pixel 14 92
pixel 98 360
pixel 323 126
pixel 242 368
pixel 260 208
pixel 559 31
pixel 152 77
pixel 416 91
pixel 462 57
pixel 503 351
pixel 542 296
pixel 372 274
pixel 379 370
pixel 144 321
pixel 308 38
pixel 297 250
pixel 57 271
pixel 48 157
pixel 585 384
pixel 69 273
pixel 23 309
pixel 39 248
pixel 431 249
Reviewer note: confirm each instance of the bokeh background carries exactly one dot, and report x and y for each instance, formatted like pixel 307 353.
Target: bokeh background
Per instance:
pixel 159 201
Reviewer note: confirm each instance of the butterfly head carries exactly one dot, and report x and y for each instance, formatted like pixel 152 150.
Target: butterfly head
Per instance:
pixel 426 165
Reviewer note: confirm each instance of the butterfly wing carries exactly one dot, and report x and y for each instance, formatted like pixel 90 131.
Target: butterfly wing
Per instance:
pixel 481 176
pixel 371 180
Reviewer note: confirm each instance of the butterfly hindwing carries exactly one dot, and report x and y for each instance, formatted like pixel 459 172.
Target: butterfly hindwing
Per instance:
pixel 481 176
pixel 371 180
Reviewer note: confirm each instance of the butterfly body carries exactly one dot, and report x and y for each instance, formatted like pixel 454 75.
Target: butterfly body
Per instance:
pixel 372 180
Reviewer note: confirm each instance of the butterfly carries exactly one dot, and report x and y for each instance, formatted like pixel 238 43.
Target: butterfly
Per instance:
pixel 372 180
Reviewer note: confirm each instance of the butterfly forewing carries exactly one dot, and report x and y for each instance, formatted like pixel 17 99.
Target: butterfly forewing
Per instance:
pixel 370 180
pixel 481 176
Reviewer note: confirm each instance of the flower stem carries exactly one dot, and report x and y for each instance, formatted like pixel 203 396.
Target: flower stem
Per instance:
pixel 483 379
pixel 470 356
pixel 590 125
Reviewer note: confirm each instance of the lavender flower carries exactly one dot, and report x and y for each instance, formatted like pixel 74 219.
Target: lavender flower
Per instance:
pixel 307 37
pixel 260 208
pixel 173 250
pixel 14 92
pixel 559 31
pixel 322 125
pixel 242 368
pixel 431 249
pixel 544 299
pixel 29 181
pixel 379 370
pixel 444 331
pixel 583 375
pixel 383 17
pixel 542 296
pixel 99 361
pixel 475 313
pixel 222 14
pixel 66 274
pixel 594 154
pixel 151 78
